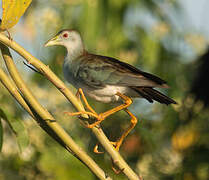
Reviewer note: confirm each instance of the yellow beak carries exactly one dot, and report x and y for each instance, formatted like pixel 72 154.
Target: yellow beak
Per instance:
pixel 54 41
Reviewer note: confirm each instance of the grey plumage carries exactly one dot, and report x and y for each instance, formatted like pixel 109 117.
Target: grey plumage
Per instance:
pixel 101 77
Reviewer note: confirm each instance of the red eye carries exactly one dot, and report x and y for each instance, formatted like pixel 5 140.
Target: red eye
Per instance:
pixel 65 35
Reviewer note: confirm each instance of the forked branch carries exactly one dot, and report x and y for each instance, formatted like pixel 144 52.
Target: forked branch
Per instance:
pixel 28 101
pixel 45 70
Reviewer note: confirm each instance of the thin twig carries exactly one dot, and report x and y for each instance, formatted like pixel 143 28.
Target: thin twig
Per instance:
pixel 31 67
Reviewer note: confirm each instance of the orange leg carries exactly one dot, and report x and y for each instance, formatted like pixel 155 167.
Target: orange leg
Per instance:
pixel 78 96
pixel 118 143
pixel 80 92
pixel 100 117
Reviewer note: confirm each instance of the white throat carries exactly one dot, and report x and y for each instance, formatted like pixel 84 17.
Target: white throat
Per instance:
pixel 74 49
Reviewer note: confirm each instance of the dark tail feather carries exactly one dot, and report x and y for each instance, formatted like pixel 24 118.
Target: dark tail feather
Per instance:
pixel 151 94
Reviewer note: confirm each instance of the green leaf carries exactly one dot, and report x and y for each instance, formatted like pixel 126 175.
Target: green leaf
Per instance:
pixel 4 117
pixel 21 134
pixel 18 129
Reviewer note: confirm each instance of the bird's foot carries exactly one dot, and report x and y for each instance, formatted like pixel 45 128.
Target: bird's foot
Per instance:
pixel 116 145
pixel 98 117
pixel 115 168
pixel 96 149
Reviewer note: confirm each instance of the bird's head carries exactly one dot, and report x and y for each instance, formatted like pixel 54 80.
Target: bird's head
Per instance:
pixel 70 39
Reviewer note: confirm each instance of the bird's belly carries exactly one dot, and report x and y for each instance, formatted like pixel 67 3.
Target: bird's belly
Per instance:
pixel 106 94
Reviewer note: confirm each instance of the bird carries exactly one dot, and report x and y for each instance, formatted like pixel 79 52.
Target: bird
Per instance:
pixel 106 79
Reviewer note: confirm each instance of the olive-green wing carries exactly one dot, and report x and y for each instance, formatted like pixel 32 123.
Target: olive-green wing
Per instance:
pixel 98 71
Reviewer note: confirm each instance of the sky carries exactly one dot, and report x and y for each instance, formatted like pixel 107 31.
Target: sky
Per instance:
pixel 195 10
pixel 197 13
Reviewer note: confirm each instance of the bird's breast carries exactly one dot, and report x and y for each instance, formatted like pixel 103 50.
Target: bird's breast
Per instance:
pixel 69 72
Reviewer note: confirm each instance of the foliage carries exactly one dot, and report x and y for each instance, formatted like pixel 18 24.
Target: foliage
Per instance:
pixel 12 11
pixel 167 143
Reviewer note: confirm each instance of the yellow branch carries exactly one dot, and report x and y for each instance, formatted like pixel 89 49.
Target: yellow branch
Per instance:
pixel 46 117
pixel 6 81
pixel 119 161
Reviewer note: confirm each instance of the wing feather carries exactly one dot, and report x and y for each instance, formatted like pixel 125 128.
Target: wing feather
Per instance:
pixel 99 71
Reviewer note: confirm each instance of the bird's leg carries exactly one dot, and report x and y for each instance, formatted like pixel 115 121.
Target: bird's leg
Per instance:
pixel 127 103
pixel 102 116
pixel 80 92
pixel 92 112
pixel 118 143
pixel 78 95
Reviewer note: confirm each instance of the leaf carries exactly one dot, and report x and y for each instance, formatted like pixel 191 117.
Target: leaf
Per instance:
pixel 21 134
pixel 4 117
pixel 12 11
pixel 18 129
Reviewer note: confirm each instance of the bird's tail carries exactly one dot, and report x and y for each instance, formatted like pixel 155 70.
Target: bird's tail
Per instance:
pixel 151 94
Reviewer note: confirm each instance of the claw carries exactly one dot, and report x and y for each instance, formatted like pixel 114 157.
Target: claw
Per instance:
pixel 96 149
pixel 115 144
pixel 116 170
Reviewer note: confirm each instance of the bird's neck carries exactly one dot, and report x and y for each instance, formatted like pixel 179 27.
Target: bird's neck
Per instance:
pixel 73 52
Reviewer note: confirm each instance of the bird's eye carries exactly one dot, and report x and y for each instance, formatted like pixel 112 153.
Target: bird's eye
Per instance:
pixel 65 35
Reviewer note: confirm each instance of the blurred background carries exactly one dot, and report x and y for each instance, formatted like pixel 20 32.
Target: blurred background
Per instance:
pixel 168 38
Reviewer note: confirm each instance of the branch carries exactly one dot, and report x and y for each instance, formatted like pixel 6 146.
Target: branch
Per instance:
pixel 45 70
pixel 43 117
pixel 14 91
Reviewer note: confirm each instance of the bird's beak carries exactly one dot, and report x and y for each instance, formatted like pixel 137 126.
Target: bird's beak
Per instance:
pixel 54 41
